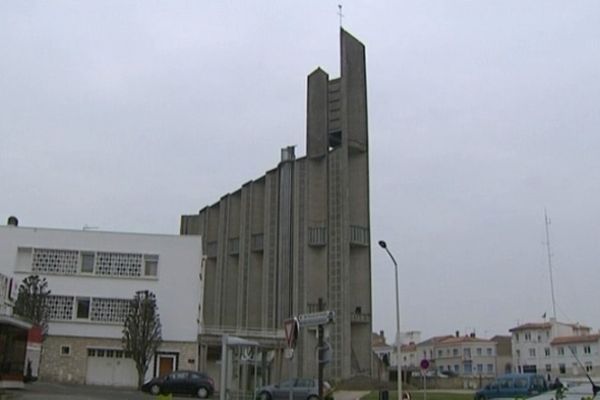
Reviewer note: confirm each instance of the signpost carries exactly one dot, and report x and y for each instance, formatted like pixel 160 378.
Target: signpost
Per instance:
pixel 317 319
pixel 424 367
pixel 291 331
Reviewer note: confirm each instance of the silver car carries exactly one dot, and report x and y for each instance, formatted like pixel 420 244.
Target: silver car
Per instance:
pixel 301 388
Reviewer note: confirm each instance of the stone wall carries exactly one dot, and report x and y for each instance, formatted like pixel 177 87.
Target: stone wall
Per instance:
pixel 55 366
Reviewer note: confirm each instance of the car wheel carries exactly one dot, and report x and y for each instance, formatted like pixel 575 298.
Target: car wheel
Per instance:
pixel 264 396
pixel 202 392
pixel 155 389
pixel 313 397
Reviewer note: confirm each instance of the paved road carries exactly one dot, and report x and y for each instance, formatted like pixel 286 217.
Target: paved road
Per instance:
pixel 54 391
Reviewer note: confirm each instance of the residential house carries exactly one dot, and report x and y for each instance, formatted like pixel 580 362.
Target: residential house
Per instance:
pixel 466 356
pixel 13 337
pixel 536 349
pixel 93 276
pixel 503 354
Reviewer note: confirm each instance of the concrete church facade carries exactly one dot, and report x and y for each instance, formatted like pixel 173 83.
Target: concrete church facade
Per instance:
pixel 296 234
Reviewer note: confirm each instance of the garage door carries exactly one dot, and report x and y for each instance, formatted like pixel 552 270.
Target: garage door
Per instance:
pixel 110 367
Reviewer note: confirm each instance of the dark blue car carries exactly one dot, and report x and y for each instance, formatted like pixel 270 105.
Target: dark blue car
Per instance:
pixel 513 385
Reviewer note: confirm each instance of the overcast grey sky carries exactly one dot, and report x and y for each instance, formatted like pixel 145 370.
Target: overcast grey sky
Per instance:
pixel 118 114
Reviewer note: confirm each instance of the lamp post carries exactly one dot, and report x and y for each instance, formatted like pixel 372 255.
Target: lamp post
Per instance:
pixel 398 344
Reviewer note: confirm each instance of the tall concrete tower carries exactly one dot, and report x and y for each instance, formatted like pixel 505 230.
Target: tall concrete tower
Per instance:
pixel 299 233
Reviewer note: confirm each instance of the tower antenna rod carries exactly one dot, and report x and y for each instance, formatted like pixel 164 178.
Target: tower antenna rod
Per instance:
pixel 547 221
pixel 340 14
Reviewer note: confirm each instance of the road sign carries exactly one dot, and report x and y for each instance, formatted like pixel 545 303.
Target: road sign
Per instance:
pixel 325 353
pixel 288 353
pixel 291 331
pixel 424 363
pixel 317 318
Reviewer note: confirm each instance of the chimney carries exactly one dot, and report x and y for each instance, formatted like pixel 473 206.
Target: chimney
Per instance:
pixel 12 221
pixel 381 334
pixel 472 334
pixel 288 154
pixel 457 334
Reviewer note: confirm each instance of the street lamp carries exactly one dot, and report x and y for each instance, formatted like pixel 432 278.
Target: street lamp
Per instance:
pixel 398 344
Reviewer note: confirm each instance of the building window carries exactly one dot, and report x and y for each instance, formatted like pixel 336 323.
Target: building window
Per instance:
pixel 548 367
pixel 55 261
pixel 233 246
pixel 516 337
pixel 561 351
pixel 60 308
pixel 317 236
pixel 83 308
pixel 150 265
pixel 65 350
pixel 119 264
pixel 87 263
pixel 479 368
pixel 527 335
pixel 455 352
pixel 24 258
pixel 440 353
pixel 359 235
pixel 489 351
pixel 490 368
pixel 573 349
pixel 518 353
pixel 257 242
pixel 547 352
pixel 91 352
pixel 479 352
pixel 539 338
pixel 561 368
pixel 588 366
pixel 587 349
pixel 456 369
pixel 468 368
pixel 109 310
pixel 531 352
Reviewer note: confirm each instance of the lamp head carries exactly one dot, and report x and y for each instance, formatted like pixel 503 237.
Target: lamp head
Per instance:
pixel 382 244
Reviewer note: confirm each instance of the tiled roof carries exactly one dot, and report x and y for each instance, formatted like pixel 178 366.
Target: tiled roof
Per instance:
pixel 409 347
pixel 575 339
pixel 546 325
pixel 434 340
pixel 532 326
pixel 464 339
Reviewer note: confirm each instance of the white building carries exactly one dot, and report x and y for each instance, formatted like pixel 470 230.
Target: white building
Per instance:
pixel 466 356
pixel 92 276
pixel 546 348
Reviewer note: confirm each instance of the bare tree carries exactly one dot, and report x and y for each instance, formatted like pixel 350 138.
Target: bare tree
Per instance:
pixel 142 331
pixel 32 301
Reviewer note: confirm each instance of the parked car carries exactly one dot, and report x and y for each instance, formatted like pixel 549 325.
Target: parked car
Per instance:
pixel 513 385
pixel 182 382
pixel 302 389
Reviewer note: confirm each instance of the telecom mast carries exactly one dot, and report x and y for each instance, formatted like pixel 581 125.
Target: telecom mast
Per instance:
pixel 547 221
